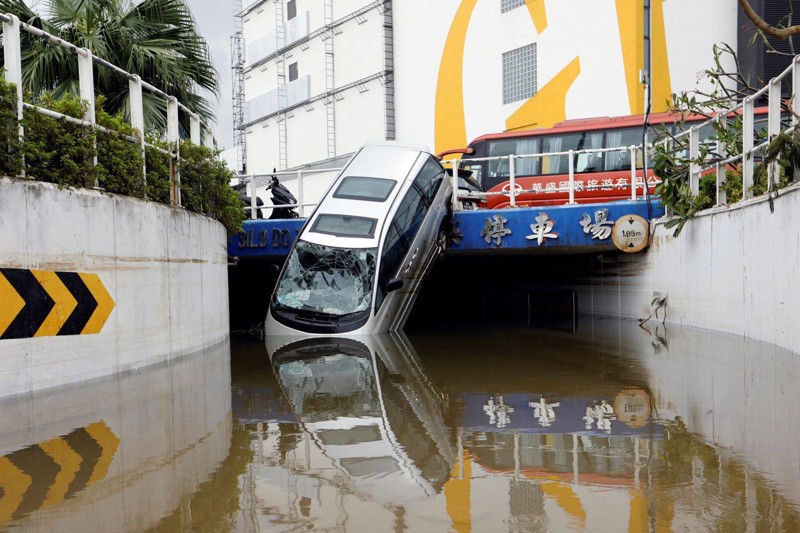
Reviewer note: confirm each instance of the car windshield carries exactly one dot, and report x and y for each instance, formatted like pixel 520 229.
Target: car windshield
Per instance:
pixel 324 279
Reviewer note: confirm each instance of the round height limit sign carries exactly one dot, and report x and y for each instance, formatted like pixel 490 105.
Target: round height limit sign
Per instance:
pixel 630 233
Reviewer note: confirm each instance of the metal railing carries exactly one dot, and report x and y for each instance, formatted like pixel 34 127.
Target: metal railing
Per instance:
pixel 746 157
pixel 256 180
pixel 12 49
pixel 571 187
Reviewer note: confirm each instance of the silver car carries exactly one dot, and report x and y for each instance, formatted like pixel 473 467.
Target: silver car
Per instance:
pixel 360 259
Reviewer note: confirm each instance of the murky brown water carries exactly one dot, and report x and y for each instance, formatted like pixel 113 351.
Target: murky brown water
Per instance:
pixel 613 428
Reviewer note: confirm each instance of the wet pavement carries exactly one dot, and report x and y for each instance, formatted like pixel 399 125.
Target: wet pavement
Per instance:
pixel 613 428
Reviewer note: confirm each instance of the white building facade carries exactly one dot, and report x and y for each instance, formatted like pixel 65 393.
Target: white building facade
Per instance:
pixel 321 77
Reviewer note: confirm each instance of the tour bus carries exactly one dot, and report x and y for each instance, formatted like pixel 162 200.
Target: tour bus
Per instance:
pixel 598 176
pixel 361 257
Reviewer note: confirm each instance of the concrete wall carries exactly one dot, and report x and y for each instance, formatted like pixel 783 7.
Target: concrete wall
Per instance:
pixel 165 269
pixel 731 269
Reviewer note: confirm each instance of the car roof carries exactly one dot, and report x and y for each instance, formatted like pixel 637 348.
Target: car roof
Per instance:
pixel 389 160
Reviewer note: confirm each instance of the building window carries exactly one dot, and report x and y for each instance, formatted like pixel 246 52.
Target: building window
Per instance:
pixel 508 5
pixel 519 73
pixel 291 9
pixel 293 71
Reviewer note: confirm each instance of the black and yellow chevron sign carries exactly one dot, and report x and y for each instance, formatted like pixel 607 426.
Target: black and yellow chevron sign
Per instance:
pixel 41 303
pixel 50 472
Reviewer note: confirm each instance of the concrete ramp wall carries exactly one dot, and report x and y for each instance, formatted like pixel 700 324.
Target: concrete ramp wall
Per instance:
pixel 733 270
pixel 93 284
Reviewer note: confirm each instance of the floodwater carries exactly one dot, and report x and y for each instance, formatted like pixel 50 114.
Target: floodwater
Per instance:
pixel 610 428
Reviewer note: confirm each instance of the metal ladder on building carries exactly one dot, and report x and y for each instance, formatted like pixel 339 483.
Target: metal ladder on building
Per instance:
pixel 280 60
pixel 388 66
pixel 237 67
pixel 330 82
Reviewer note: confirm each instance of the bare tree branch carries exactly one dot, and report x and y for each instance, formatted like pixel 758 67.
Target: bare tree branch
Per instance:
pixel 763 26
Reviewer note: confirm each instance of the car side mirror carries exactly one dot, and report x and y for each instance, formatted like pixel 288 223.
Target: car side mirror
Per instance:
pixel 394 284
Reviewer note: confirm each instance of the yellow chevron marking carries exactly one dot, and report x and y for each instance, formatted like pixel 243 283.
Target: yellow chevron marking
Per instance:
pixel 450 129
pixel 107 440
pixel 69 461
pixel 566 499
pixel 538 14
pixel 11 304
pixel 549 105
pixel 105 304
pixel 14 483
pixel 65 303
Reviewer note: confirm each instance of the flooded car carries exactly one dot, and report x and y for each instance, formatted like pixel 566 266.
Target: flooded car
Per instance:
pixel 358 263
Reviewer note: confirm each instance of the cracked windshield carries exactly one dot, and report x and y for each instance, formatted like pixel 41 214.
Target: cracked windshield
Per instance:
pixel 323 279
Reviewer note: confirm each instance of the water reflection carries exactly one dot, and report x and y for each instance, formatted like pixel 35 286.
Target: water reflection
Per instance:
pixel 525 431
pixel 119 454
pixel 612 428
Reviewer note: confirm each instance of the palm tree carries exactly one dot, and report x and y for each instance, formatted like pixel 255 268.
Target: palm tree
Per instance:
pixel 156 39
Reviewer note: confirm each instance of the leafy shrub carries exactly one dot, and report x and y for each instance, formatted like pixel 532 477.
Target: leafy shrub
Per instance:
pixel 61 152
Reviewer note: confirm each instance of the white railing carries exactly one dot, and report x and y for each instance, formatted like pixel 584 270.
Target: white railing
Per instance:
pixel 297 178
pixel 570 187
pixel 746 156
pixel 12 49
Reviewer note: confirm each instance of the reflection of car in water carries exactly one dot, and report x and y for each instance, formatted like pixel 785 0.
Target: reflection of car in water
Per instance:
pixel 358 263
pixel 369 408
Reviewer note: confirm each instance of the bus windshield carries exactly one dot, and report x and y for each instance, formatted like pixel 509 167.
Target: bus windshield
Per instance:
pixel 327 280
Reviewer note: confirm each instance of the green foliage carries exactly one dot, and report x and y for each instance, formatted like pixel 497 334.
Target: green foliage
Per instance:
pixel 156 39
pixel 10 162
pixel 673 164
pixel 62 152
pixel 57 151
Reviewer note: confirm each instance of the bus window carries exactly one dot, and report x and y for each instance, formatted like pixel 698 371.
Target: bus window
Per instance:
pixel 498 168
pixel 623 138
pixel 558 164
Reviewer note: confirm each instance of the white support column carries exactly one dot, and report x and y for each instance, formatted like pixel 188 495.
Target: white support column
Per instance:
pixel 454 180
pixel 748 139
pixel 208 138
pixel 12 54
pixel 633 174
pixel 86 85
pixel 173 138
pixel 694 153
pixel 512 182
pixel 721 170
pixel 194 129
pixel 795 100
pixel 136 103
pixel 773 129
pixel 300 195
pixel 571 167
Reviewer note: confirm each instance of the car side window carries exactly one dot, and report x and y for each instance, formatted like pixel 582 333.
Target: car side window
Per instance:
pixel 400 235
pixel 430 178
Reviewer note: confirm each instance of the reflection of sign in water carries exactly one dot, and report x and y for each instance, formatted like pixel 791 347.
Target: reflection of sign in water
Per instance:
pixel 499 413
pixel 630 233
pixel 50 472
pixel 544 412
pixel 601 413
pixel 632 406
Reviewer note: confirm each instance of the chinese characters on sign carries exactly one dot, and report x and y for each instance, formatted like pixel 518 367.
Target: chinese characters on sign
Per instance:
pixel 495 230
pixel 544 412
pixel 602 413
pixel 601 229
pixel 543 229
pixel 499 413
